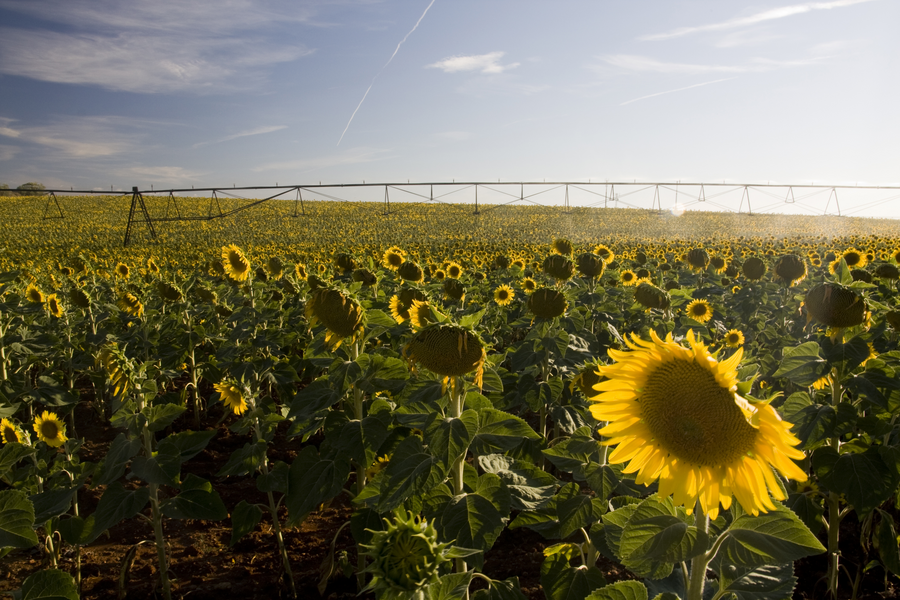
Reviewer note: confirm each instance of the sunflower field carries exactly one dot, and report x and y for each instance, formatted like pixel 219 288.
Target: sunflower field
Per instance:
pixel 336 400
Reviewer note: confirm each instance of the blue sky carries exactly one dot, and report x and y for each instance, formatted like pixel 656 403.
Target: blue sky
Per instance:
pixel 100 93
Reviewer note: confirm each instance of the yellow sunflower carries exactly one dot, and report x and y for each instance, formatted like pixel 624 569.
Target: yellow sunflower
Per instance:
pixel 130 304
pixel 454 270
pixel 734 339
pixel 420 314
pixel 50 429
pixel 605 253
pixel 53 306
pixel 10 433
pixel 673 414
pixel 503 295
pixel 300 271
pixel 122 270
pixel 393 257
pixel 231 396
pixel 528 285
pixel 628 277
pixel 699 310
pixel 236 264
pixel 33 294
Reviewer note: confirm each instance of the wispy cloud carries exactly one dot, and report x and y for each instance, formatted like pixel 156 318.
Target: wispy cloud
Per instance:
pixel 248 133
pixel 171 174
pixel 349 157
pixel 681 89
pixel 486 63
pixel 149 47
pixel 81 137
pixel 630 62
pixel 760 17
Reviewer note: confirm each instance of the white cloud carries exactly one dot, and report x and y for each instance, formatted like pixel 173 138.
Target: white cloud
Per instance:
pixel 146 47
pixel 486 63
pixel 162 172
pixel 349 157
pixel 760 17
pixel 247 133
pixel 631 62
pixel 681 89
pixel 83 137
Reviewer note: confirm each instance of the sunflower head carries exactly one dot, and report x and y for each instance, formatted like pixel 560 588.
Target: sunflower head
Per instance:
pixel 345 262
pixel 887 271
pixel 547 303
pixel 503 295
pixel 342 316
pixel 112 360
pixel 855 258
pixel 674 414
pixel 628 277
pixel 753 268
pixel 697 258
pixel 79 298
pixel 719 264
pixel 33 294
pixel 420 314
pixel 231 396
pixel 275 267
pixel 650 296
pixel 589 264
pixel 129 304
pixel 454 289
pixel 411 271
pixel 365 277
pixel 54 307
pixel 300 271
pixel 893 319
pixel 454 270
pixel 605 253
pixel 501 262
pixel 237 267
pixel 558 267
pixel 586 379
pixel 10 433
pixel 122 271
pixel 152 267
pixel 447 350
pixel 734 338
pixel 790 269
pixel 393 257
pixel 401 302
pixel 168 292
pixel 528 285
pixel 217 268
pixel 699 310
pixel 835 305
pixel 562 246
pixel 50 429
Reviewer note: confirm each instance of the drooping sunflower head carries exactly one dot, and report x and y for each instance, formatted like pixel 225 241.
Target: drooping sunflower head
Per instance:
pixel 562 246
pixel 54 306
pixel 401 302
pixel 650 296
pixel 237 267
pixel 50 429
pixel 411 271
pixel 547 303
pixel 697 258
pixel 699 310
pixel 206 295
pixel 79 298
pixel 734 338
pixel 589 264
pixel 342 316
pixel 503 295
pixel 344 262
pixel 674 414
pixel 217 267
pixel 365 277
pixel 447 350
pixel 33 294
pixel 790 269
pixel 113 360
pixel 275 267
pixel 887 271
pixel 128 303
pixel 454 289
pixel 168 291
pixel 719 264
pixel 754 268
pixel 231 396
pixel 501 262
pixel 835 305
pixel 586 379
pixel 393 257
pixel 558 267
pixel 152 267
pixel 10 433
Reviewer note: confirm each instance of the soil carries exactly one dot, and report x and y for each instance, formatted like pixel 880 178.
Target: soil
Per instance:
pixel 204 567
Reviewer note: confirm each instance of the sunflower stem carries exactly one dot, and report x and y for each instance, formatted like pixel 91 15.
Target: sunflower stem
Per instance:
pixel 699 563
pixel 360 469
pixel 457 397
pixel 833 499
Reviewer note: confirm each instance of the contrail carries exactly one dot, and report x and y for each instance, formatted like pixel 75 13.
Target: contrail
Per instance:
pixel 382 69
pixel 676 90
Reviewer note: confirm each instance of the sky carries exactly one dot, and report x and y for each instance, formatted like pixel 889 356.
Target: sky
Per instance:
pixel 100 94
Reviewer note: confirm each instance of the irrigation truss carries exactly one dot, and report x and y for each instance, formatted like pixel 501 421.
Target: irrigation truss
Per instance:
pixel 755 198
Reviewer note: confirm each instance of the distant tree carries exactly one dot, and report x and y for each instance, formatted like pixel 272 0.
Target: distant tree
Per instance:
pixel 4 190
pixel 32 188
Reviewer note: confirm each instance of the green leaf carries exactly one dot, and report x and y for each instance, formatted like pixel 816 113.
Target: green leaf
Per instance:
pixel 113 466
pixel 803 365
pixel 449 587
pixel 657 536
pixel 614 523
pixel 411 472
pixel 344 374
pixel 814 425
pixel 564 582
pixel 602 479
pixel 317 396
pixel 500 432
pixel 161 416
pixel 573 454
pixel 808 508
pixel 886 540
pixel 621 590
pixel 197 500
pixel 529 486
pixel 360 440
pixel 10 455
pixel 864 478
pixel 544 520
pixel 312 481
pixel 766 582
pixel 471 320
pixel 50 584
pixel 476 520
pixel 508 589
pixel 244 460
pixel 116 504
pixel 577 512
pixel 276 480
pixel 52 503
pixel 770 538
pixel 185 445
pixel 449 438
pixel 16 520
pixel 244 519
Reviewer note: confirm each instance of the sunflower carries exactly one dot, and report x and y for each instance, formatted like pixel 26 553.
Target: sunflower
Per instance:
pixel 231 396
pixel 719 264
pixel 420 314
pixel 734 339
pixel 590 265
pixel 393 257
pixel 122 270
pixel 33 294
pixel 376 467
pixel 300 271
pixel 699 310
pixel 628 277
pixel 50 429
pixel 10 433
pixel 547 303
pixel 129 304
pixel 440 275
pixel 503 295
pixel 275 267
pixel 605 253
pixel 790 269
pixel 854 258
pixel 674 414
pixel 697 258
pixel 236 264
pixel 401 302
pixel 53 306
pixel 562 246
pixel 447 350
pixel 528 285
pixel 342 316
pixel 454 270
pixel 411 271
pixel 152 266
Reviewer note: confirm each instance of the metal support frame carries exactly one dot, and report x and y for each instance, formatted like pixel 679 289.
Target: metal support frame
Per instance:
pixel 387 202
pixel 137 200
pixel 657 202
pixel 830 194
pixel 702 196
pixel 299 200
pixel 47 207
pixel 567 200
pixel 214 198
pixel 174 202
pixel 476 199
pixel 790 194
pixel 745 194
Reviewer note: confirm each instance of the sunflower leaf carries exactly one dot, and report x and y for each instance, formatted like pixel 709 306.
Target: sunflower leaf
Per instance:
pixel 16 520
pixel 564 582
pixel 767 582
pixel 803 365
pixel 49 584
pixel 770 538
pixel 621 590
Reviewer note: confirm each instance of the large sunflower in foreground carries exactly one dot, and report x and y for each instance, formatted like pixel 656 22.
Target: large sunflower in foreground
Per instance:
pixel 236 264
pixel 674 415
